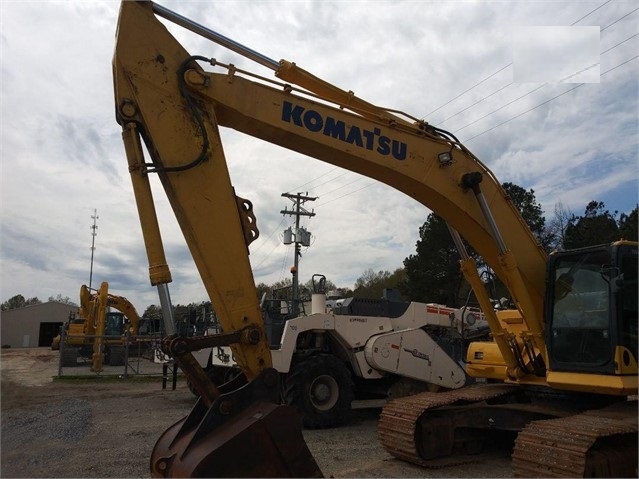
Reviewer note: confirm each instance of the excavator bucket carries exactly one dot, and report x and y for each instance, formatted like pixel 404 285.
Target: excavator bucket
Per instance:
pixel 236 437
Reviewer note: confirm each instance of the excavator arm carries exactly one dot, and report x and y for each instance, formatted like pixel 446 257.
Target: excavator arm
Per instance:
pixel 186 154
pixel 182 139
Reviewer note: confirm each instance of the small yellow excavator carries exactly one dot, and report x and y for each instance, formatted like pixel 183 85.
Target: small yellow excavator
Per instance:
pixel 560 368
pixel 95 332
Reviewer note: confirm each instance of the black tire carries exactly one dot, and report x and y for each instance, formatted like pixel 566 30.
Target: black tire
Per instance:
pixel 321 389
pixel 68 356
pixel 115 356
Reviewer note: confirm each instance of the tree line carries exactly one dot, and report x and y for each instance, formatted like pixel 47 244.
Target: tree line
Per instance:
pixel 432 273
pixel 19 301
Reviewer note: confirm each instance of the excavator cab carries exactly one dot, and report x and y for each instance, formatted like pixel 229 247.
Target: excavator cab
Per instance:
pixel 114 324
pixel 592 309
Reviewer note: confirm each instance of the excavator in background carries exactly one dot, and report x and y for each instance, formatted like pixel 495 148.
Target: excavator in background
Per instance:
pixel 560 368
pixel 95 332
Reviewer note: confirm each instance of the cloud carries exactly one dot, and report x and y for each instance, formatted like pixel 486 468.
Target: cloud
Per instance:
pixel 562 54
pixel 62 156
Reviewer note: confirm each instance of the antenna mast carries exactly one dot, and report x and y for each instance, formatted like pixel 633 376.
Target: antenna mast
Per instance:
pixel 93 235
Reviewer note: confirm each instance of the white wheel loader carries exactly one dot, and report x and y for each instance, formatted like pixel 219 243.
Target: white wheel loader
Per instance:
pixel 359 352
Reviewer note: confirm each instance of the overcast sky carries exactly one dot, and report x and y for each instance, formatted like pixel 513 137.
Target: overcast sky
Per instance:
pixel 62 155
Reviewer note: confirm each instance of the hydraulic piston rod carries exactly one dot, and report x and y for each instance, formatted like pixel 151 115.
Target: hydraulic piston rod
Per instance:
pixel 214 36
pixel 521 294
pixel 285 70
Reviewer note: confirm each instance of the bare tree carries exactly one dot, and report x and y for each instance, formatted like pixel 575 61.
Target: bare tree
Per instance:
pixel 63 299
pixel 558 224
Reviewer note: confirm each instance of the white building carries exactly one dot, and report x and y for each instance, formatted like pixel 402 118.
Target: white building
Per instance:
pixel 33 326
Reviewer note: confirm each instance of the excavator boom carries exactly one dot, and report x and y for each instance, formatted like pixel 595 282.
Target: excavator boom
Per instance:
pixel 427 164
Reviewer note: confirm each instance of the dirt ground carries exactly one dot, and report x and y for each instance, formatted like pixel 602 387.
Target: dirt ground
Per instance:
pixel 97 428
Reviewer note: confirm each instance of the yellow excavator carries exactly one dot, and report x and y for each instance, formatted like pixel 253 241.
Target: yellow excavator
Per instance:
pixel 561 365
pixel 96 332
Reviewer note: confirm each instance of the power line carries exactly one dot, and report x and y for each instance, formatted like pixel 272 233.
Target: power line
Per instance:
pixel 621 64
pixel 328 181
pixel 486 97
pixel 316 178
pixel 511 63
pixel 500 108
pixel 623 41
pixel 340 197
pixel 263 242
pixel 528 93
pixel 619 19
pixel 512 83
pixel 469 89
pixel 478 101
pixel 547 101
pixel 510 119
pixel 457 130
pixel 503 123
pixel 360 178
pixel 506 86
pixel 266 256
pixel 506 66
pixel 331 180
pixel 591 12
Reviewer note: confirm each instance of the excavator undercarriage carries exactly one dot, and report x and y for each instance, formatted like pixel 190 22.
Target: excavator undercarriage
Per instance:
pixel 595 443
pixel 557 437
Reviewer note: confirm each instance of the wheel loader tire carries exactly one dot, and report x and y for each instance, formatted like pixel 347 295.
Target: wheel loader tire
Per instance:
pixel 321 388
pixel 116 356
pixel 68 356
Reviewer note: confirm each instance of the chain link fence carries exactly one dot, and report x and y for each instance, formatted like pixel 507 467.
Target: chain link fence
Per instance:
pixel 119 357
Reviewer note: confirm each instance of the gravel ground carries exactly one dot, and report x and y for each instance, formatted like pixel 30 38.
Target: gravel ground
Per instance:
pixel 101 428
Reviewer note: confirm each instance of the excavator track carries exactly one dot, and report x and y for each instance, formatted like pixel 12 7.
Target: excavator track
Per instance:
pixel 596 443
pixel 399 421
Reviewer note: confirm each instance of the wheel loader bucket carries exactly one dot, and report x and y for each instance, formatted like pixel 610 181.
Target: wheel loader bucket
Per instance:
pixel 235 437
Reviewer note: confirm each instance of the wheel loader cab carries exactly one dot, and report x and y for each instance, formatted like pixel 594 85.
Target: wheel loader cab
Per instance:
pixel 276 313
pixel 591 310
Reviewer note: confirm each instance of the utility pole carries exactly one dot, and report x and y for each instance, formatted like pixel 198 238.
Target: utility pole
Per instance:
pixel 93 235
pixel 301 235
